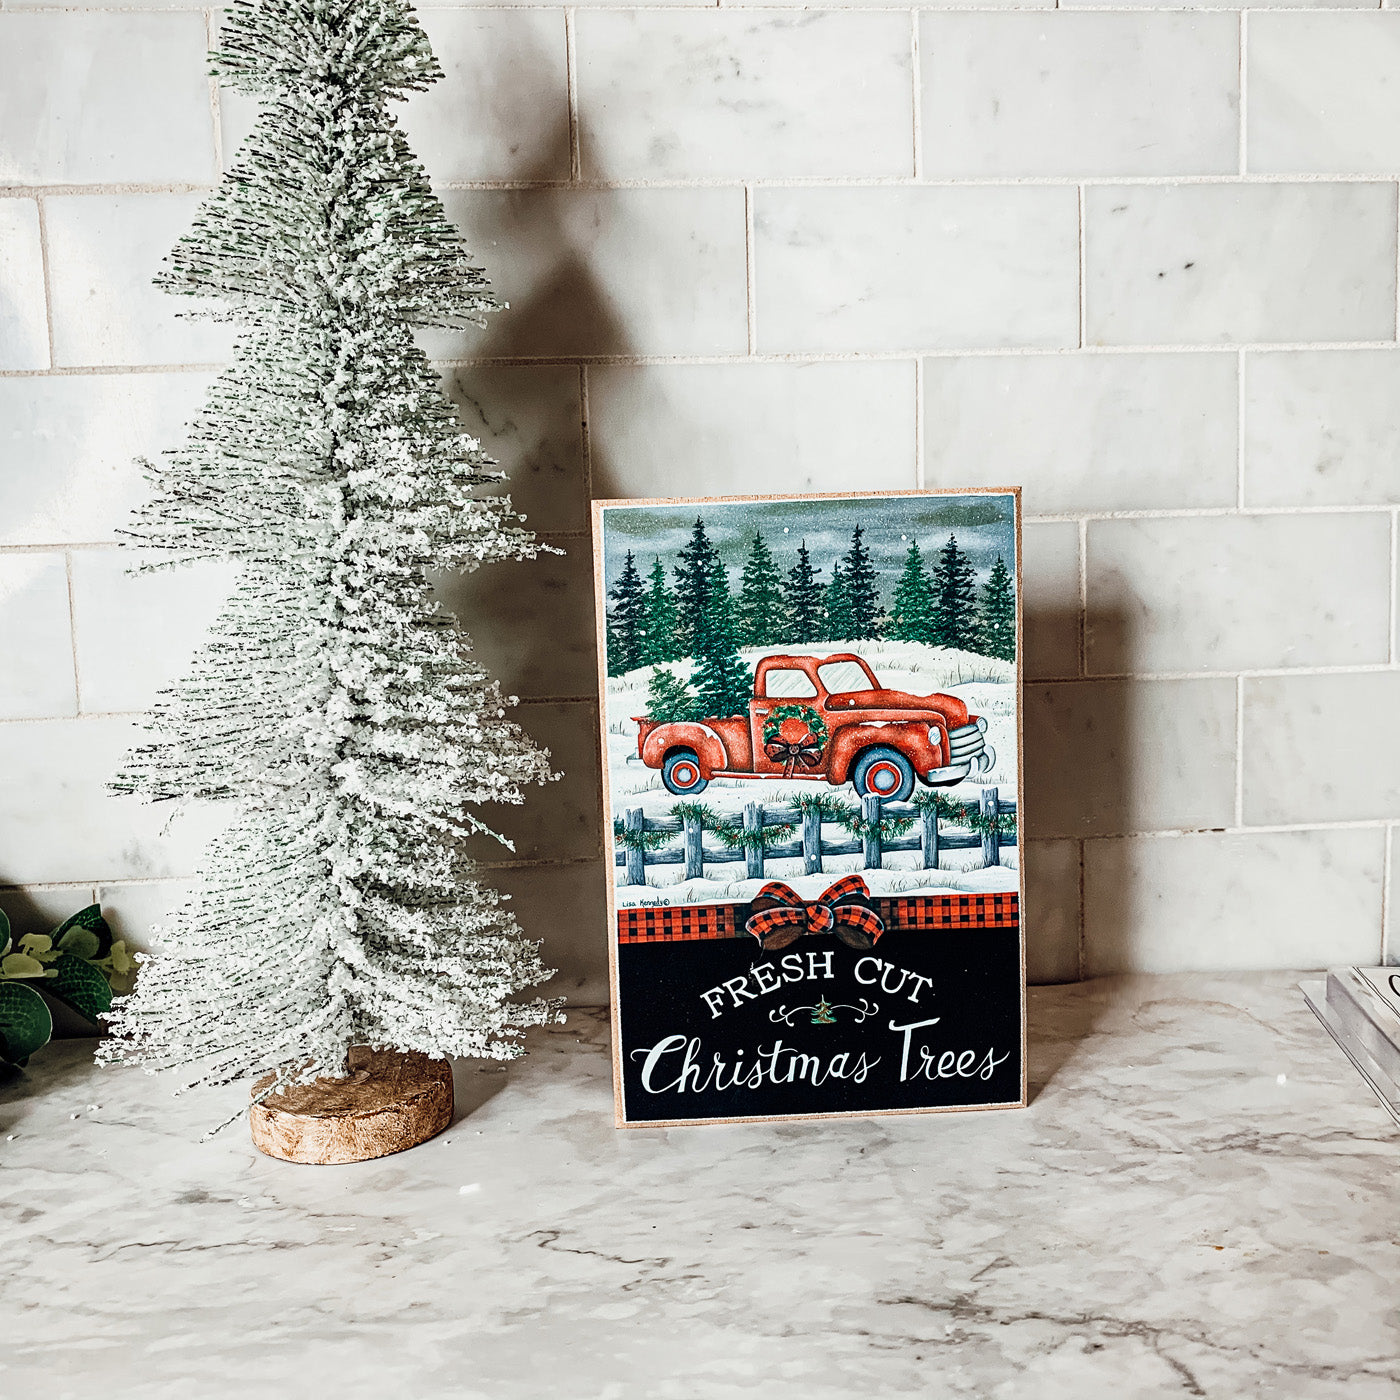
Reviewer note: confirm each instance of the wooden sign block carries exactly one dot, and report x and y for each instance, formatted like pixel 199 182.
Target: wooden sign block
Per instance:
pixel 811 730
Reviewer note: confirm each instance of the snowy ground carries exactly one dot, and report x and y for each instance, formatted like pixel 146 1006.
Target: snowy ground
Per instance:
pixel 984 683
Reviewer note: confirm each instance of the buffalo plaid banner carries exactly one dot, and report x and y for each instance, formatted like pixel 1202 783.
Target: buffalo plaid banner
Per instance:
pixel 683 922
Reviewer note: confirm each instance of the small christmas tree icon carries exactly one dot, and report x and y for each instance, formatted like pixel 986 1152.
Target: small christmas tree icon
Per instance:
pixel 822 1014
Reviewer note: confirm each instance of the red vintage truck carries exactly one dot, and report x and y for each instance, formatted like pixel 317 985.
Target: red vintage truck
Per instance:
pixel 829 719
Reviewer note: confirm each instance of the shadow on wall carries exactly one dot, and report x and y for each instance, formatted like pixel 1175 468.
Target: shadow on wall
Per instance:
pixel 532 623
pixel 1079 737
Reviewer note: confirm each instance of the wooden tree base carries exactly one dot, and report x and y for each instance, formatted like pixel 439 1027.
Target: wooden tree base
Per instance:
pixel 390 1101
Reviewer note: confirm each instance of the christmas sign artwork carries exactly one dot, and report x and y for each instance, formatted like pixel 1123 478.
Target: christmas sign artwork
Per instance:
pixel 811 738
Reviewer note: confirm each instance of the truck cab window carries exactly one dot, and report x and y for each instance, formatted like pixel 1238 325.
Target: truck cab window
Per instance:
pixel 786 684
pixel 842 677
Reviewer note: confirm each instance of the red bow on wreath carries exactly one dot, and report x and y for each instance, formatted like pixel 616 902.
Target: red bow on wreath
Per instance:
pixel 781 916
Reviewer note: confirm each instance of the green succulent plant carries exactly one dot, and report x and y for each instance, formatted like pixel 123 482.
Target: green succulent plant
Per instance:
pixel 78 964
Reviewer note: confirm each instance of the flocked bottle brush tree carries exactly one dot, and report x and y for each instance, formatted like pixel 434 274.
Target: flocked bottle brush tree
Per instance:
pixel 335 711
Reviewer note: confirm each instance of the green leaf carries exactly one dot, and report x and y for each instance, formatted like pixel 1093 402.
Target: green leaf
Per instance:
pixel 25 1023
pixel 82 986
pixel 80 942
pixel 20 965
pixel 91 920
pixel 4 932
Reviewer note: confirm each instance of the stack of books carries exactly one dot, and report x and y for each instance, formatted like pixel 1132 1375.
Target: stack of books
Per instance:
pixel 1360 1006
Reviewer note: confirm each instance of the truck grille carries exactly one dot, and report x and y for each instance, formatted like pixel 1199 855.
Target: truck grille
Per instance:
pixel 966 742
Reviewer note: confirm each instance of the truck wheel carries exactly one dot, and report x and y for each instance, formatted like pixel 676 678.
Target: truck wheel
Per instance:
pixel 883 772
pixel 681 773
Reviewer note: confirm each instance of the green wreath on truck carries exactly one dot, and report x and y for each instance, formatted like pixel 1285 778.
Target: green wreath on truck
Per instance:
pixel 805 752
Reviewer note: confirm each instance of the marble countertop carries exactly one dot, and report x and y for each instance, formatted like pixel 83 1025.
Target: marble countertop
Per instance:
pixel 1200 1201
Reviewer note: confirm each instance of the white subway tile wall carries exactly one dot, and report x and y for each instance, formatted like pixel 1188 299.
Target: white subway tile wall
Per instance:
pixel 1138 258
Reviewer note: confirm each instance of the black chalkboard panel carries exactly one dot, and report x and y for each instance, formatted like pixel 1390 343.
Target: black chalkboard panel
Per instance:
pixel 721 1029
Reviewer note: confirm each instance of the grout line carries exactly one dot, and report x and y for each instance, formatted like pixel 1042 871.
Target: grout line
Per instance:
pixel 1083 279
pixel 920 465
pixel 1239 751
pixel 586 434
pixel 44 270
pixel 1244 91
pixel 1065 180
pixel 1083 628
pixel 799 357
pixel 918 102
pixel 1394 586
pixel 1387 874
pixel 1081 519
pixel 73 631
pixel 571 70
pixel 1083 915
pixel 1397 263
pixel 215 105
pixel 751 287
pixel 1239 432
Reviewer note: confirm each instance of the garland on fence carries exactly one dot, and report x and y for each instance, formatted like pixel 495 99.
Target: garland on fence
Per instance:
pixel 731 833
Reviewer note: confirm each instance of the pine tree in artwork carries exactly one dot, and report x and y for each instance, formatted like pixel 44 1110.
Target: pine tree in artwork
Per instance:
pixel 696 576
pixel 996 623
pixel 911 610
pixel 836 611
pixel 804 602
pixel 758 610
pixel 627 620
pixel 335 713
pixel 862 593
pixel 659 642
pixel 670 698
pixel 723 684
pixel 954 598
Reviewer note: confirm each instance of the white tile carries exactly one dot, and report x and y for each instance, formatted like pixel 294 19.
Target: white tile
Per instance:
pixel 529 418
pixel 1219 264
pixel 59 824
pixel 501 109
pixel 91 98
pixel 872 269
pixel 605 272
pixel 1050 599
pixel 1086 432
pixel 531 621
pixel 1079 94
pixel 24 332
pixel 666 430
pixel 70 444
pixel 36 680
pixel 560 821
pixel 133 912
pixel 1050 920
pixel 566 907
pixel 103 252
pixel 1322 428
pixel 1238 592
pixel 734 94
pixel 1321 748
pixel 1322 93
pixel 39 908
pixel 884 4
pixel 136 633
pixel 1298 899
pixel 1114 757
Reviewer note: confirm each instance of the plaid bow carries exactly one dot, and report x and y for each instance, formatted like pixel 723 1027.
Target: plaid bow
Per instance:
pixel 781 916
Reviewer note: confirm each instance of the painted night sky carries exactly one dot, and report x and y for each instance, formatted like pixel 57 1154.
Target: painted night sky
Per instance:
pixel 984 525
